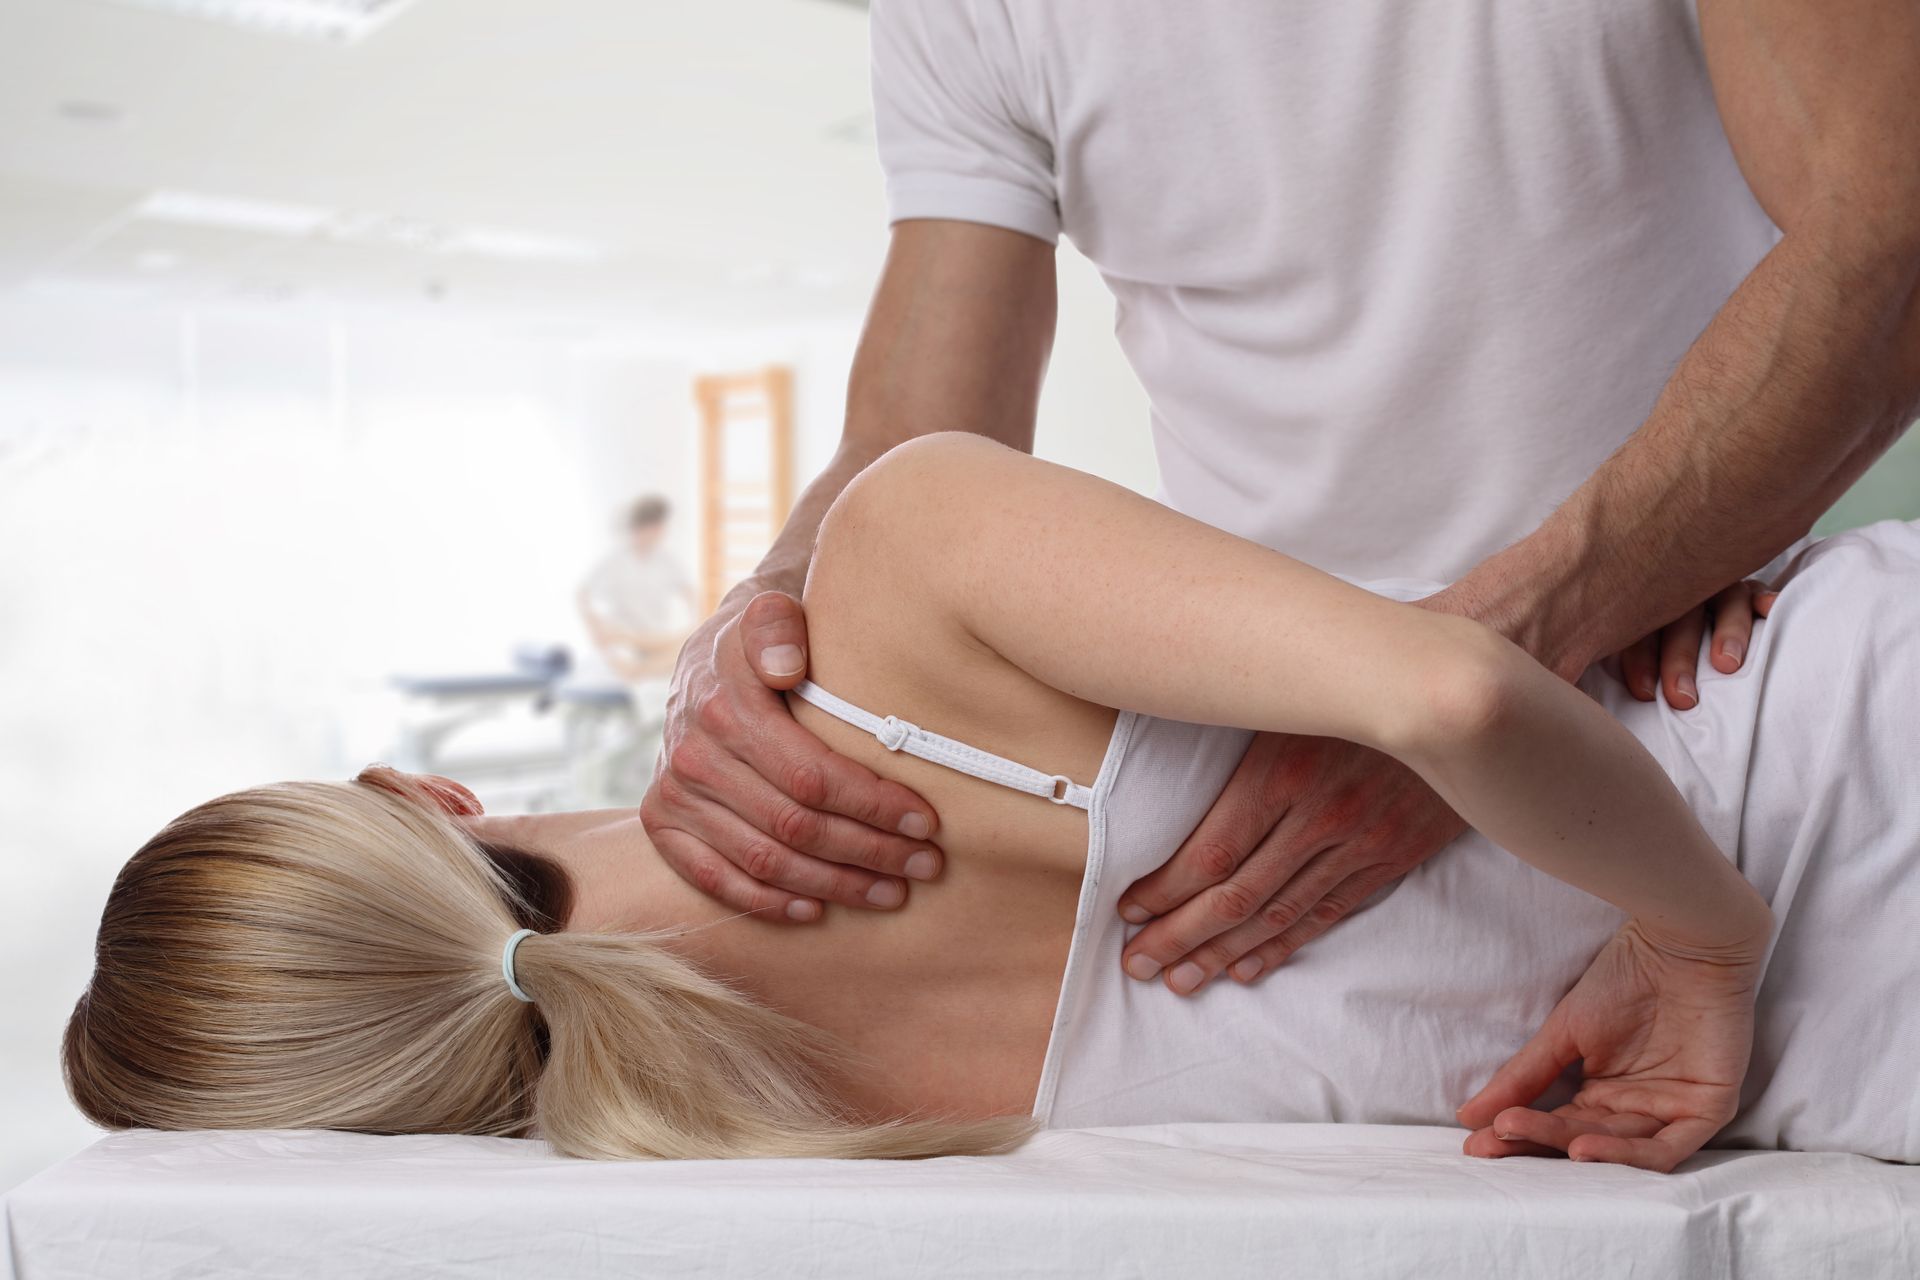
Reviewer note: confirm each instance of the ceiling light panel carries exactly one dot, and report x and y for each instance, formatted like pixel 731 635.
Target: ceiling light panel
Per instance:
pixel 339 21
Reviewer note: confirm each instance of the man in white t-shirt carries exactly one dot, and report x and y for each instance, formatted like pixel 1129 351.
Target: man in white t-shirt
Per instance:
pixel 1515 296
pixel 638 602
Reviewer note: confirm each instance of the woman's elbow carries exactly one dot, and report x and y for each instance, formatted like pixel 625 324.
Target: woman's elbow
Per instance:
pixel 1467 690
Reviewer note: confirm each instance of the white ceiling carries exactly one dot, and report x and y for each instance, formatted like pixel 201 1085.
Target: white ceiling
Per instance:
pixel 718 153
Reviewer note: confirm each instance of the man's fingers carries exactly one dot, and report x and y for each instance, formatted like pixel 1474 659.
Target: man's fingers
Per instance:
pixel 1640 667
pixel 1732 627
pixel 775 864
pixel 1337 904
pixel 1522 1078
pixel 1680 658
pixel 820 832
pixel 1190 969
pixel 698 864
pixel 803 768
pixel 1215 850
pixel 761 731
pixel 773 632
pixel 1763 602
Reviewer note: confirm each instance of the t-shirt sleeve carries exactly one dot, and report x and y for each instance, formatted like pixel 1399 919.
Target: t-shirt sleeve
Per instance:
pixel 598 583
pixel 952 113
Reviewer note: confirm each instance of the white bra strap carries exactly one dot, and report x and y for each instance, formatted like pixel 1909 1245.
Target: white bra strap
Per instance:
pixel 896 734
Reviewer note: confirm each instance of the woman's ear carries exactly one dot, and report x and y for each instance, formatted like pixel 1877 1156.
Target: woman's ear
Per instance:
pixel 428 790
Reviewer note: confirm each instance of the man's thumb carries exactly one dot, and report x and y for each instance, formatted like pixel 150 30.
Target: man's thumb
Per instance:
pixel 774 631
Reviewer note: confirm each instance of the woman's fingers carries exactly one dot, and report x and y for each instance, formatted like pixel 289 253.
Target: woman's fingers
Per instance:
pixel 1592 1134
pixel 1660 1152
pixel 1763 602
pixel 1523 1077
pixel 1732 626
pixel 1484 1144
pixel 1680 658
pixel 1558 1129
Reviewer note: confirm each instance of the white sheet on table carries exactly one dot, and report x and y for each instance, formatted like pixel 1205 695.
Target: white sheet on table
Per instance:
pixel 1222 1200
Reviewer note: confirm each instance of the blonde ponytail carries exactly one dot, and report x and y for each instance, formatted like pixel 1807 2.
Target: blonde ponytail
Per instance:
pixel 317 955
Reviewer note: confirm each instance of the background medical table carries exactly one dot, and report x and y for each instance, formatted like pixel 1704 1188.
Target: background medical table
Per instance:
pixel 1217 1201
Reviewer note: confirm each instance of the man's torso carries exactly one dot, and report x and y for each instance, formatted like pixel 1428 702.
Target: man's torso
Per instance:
pixel 1396 276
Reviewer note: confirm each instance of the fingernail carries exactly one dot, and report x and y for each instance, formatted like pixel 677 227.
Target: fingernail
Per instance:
pixel 1134 913
pixel 1248 968
pixel 1142 967
pixel 915 826
pixel 1505 1135
pixel 887 893
pixel 924 865
pixel 1645 686
pixel 1185 977
pixel 1687 689
pixel 1734 648
pixel 802 910
pixel 782 660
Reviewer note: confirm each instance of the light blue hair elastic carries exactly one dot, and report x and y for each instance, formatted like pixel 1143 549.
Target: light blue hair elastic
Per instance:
pixel 506 964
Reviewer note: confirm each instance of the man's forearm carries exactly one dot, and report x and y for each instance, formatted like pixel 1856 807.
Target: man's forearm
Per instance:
pixel 784 567
pixel 957 338
pixel 1806 376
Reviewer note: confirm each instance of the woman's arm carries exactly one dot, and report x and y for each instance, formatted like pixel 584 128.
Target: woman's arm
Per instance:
pixel 1119 601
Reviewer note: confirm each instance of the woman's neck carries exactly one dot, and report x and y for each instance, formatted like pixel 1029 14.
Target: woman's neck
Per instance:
pixel 620 884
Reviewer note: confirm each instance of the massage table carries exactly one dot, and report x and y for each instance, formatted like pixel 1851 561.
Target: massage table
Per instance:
pixel 1216 1201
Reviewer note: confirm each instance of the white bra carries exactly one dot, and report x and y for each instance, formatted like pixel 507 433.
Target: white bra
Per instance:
pixel 896 734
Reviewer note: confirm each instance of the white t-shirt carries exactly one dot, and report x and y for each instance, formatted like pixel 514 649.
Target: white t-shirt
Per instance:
pixel 1396 276
pixel 640 593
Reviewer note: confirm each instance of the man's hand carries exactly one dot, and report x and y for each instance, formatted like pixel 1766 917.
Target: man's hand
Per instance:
pixel 755 811
pixel 1667 659
pixel 1306 830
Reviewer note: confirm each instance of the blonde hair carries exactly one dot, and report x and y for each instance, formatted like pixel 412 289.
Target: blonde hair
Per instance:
pixel 327 955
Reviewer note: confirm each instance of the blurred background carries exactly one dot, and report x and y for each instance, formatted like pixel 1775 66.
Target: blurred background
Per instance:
pixel 398 379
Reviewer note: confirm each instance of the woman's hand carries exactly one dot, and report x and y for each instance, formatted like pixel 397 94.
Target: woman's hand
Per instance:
pixel 1663 1032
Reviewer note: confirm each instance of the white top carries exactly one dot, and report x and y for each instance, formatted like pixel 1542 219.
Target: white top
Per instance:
pixel 1801 766
pixel 1396 277
pixel 640 592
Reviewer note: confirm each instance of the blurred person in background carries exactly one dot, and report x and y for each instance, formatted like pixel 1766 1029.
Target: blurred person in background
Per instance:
pixel 638 605
pixel 638 601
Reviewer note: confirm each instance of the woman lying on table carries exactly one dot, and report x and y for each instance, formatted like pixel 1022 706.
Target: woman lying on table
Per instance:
pixel 378 955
